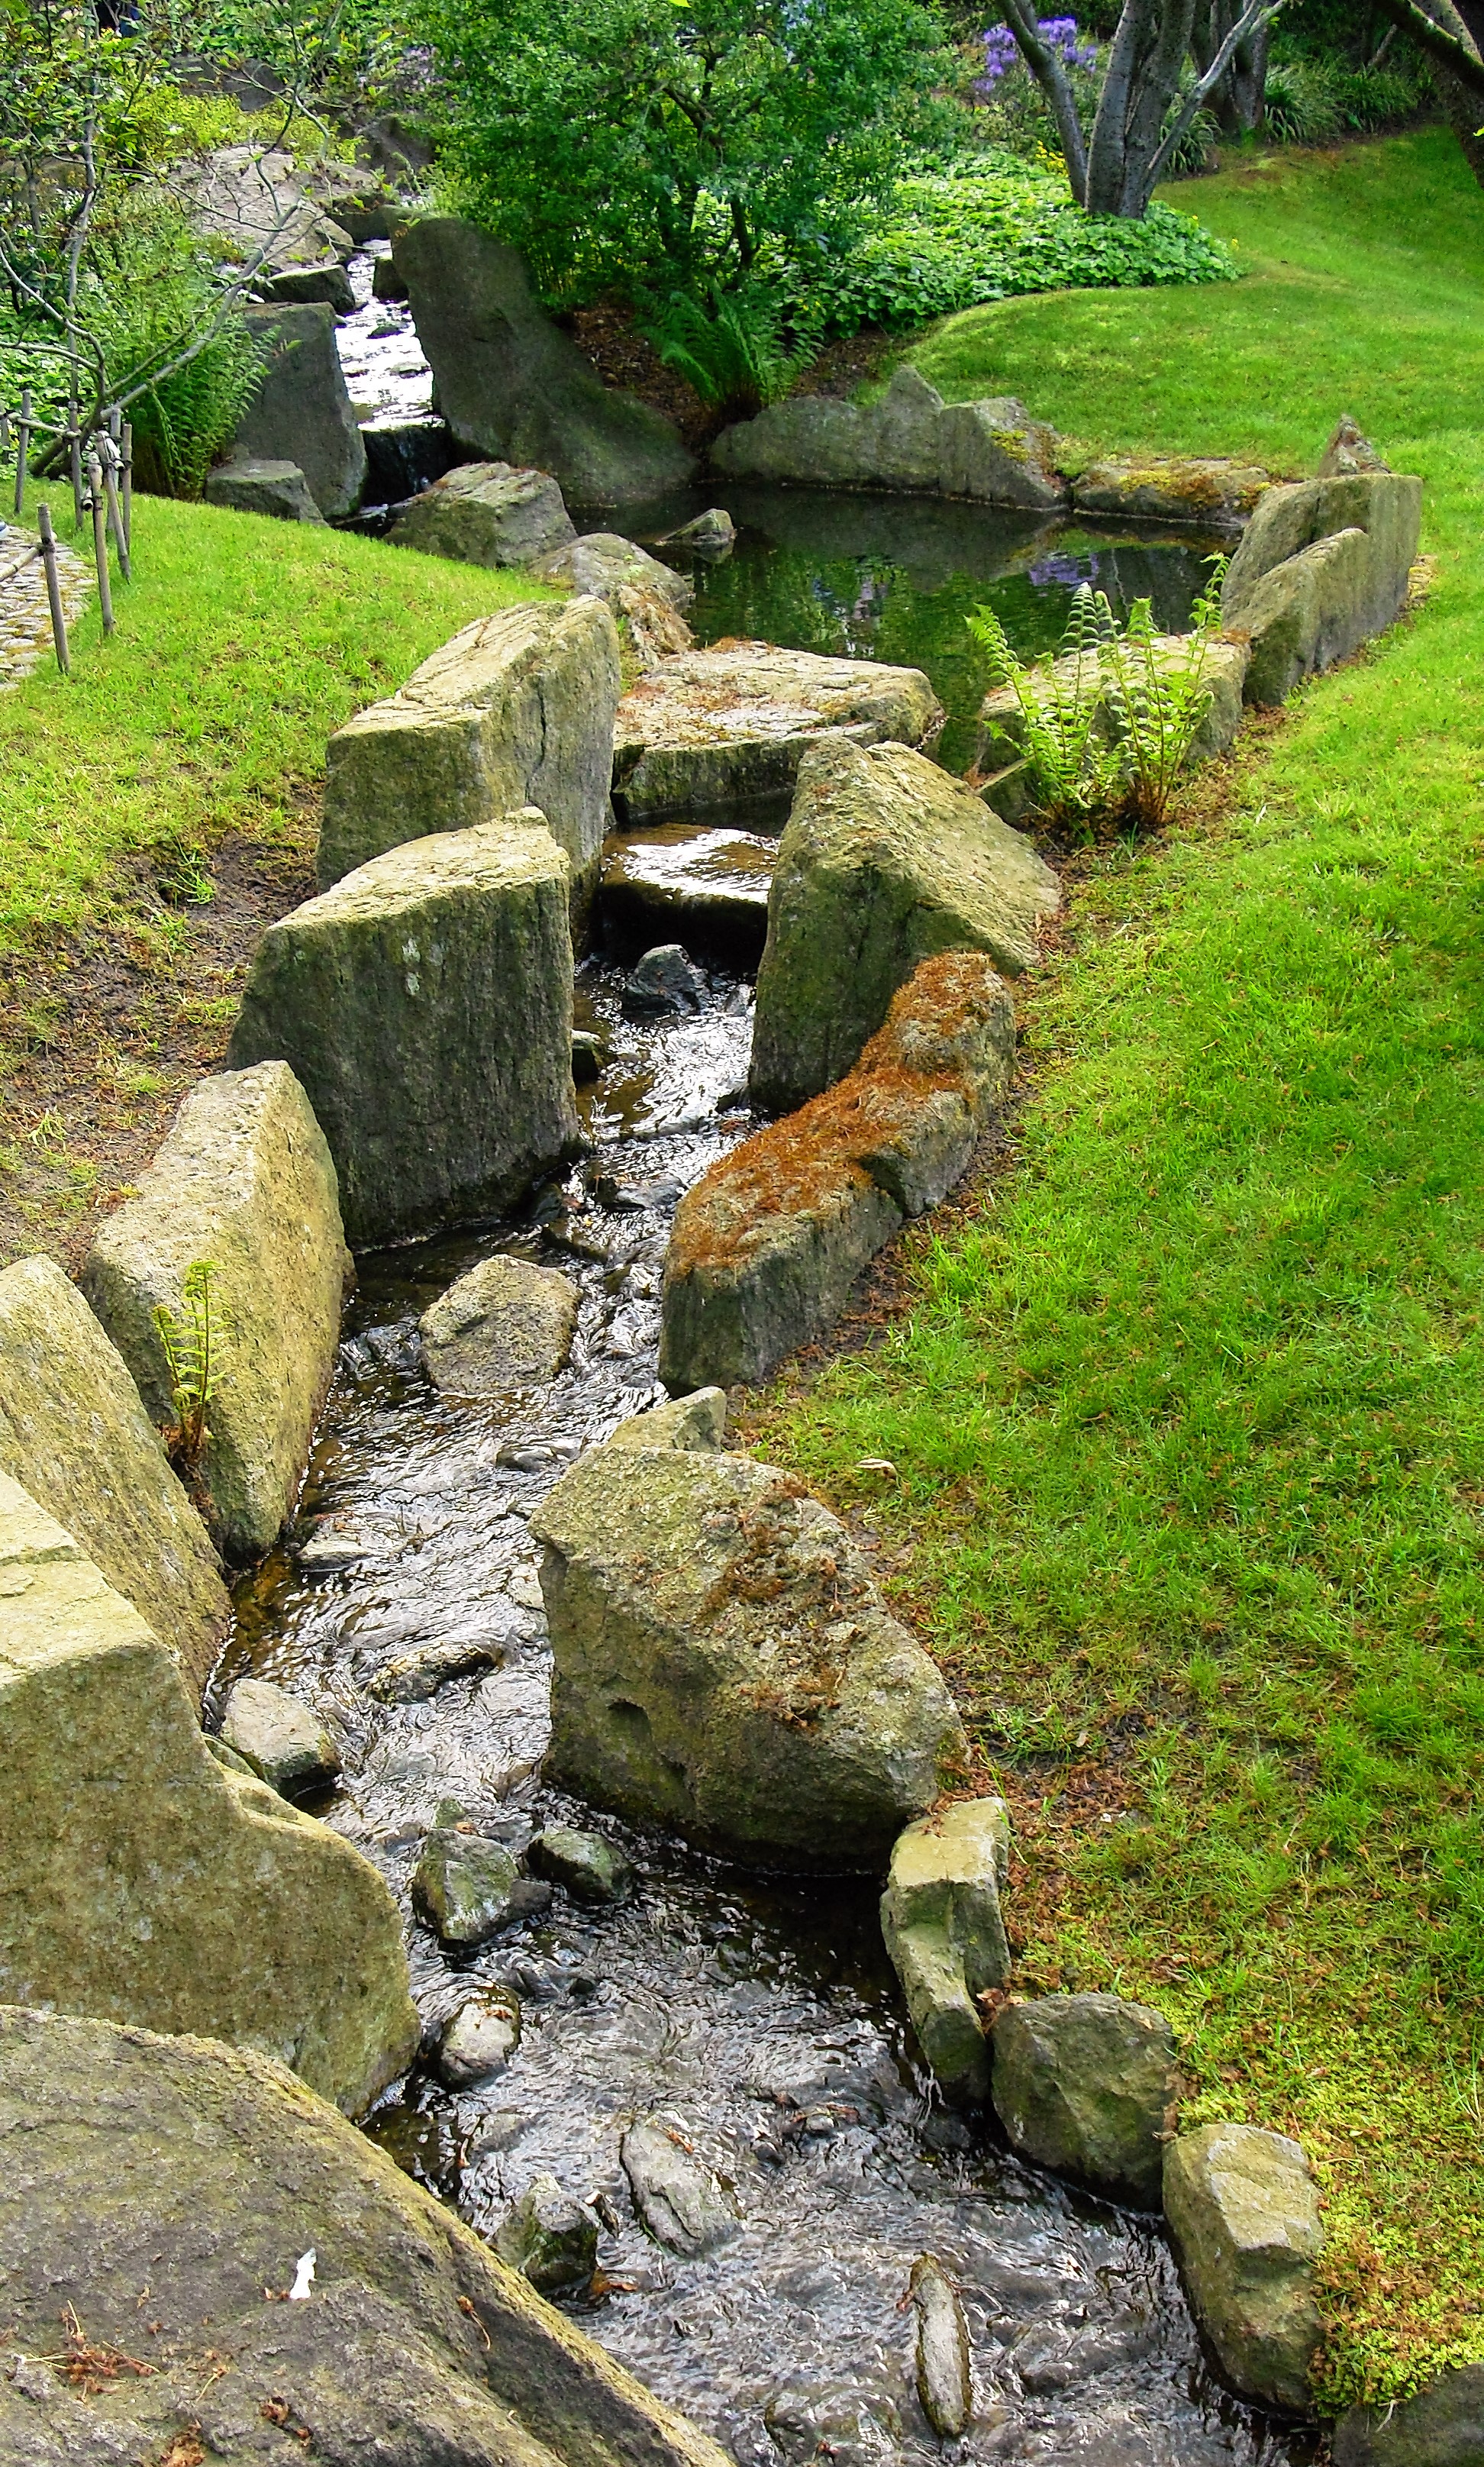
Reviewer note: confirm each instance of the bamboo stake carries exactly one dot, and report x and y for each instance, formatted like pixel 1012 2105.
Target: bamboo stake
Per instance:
pixel 95 481
pixel 53 589
pixel 74 457
pixel 22 449
pixel 128 468
pixel 110 463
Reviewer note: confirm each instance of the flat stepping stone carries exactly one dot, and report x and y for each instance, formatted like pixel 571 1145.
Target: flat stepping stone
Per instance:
pixel 508 1324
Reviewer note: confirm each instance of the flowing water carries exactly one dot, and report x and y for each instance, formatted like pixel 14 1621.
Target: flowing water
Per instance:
pixel 758 2016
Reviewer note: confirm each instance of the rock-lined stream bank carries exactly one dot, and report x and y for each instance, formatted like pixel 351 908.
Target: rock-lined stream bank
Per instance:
pixel 757 2018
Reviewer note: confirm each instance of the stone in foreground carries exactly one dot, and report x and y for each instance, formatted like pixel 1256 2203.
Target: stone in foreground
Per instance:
pixel 990 451
pixel 506 1325
pixel 425 1005
pixel 73 1428
pixel 516 710
pixel 890 860
pixel 203 2174
pixel 1442 2427
pixel 279 1738
pixel 766 1247
pixel 1087 2085
pixel 734 723
pixel 249 485
pixel 678 2201
pixel 945 2385
pixel 1322 565
pixel 1245 2216
pixel 941 1923
pixel 243 1179
pixel 143 1881
pixel 485 514
pixel 1171 489
pixel 301 411
pixel 548 2237
pixel 479 2039
pixel 591 1868
pixel 724 1664
pixel 510 383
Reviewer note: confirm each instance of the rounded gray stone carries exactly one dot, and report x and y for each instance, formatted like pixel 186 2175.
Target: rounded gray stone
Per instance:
pixel 507 1324
pixel 281 1737
pixel 1085 2085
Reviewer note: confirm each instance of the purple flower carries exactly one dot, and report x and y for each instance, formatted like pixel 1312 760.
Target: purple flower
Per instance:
pixel 1001 51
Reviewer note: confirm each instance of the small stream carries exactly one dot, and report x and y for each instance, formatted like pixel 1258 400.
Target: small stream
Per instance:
pixel 757 2015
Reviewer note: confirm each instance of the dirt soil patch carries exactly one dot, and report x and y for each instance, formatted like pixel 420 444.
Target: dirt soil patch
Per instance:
pixel 622 358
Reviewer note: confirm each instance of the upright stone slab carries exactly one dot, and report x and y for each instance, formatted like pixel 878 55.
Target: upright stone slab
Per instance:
pixel 885 860
pixel 725 1665
pixel 941 1924
pixel 425 1005
pixel 485 514
pixel 203 2173
pixel 518 710
pixel 911 440
pixel 301 411
pixel 510 383
pixel 73 1428
pixel 1322 565
pixel 244 1180
pixel 141 1880
pixel 1245 2216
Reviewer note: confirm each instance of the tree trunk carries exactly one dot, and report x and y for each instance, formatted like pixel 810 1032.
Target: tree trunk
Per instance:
pixel 1462 108
pixel 1238 99
pixel 1147 54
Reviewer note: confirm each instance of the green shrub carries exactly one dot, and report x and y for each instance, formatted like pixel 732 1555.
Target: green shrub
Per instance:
pixel 732 351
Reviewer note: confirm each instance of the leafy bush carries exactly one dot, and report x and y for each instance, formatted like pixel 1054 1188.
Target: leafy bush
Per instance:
pixel 149 288
pixel 732 353
pixel 987 228
pixel 1313 99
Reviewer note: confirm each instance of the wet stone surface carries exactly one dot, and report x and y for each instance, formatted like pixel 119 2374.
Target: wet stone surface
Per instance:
pixel 756 2020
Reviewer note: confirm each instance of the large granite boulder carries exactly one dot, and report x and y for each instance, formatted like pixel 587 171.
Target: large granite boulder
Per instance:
pixel 249 484
pixel 252 202
pixel 720 726
pixel 141 1880
pixel 73 1429
pixel 510 384
pixel 301 411
pixel 518 710
pixel 767 1245
pixel 911 440
pixel 204 2175
pixel 1217 495
pixel 1321 565
pixel 888 860
pixel 725 1665
pixel 425 1005
pixel 940 1919
pixel 485 514
pixel 244 1180
pixel 1442 2427
pixel 1087 2085
pixel 1245 2216
pixel 506 1324
pixel 651 598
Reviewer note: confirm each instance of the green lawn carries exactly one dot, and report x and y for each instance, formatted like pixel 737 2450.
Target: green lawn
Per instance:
pixel 241 644
pixel 1189 1413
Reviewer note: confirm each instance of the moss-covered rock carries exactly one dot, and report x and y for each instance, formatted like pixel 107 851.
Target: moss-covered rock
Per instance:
pixel 425 1005
pixel 508 1324
pixel 141 1880
pixel 725 1665
pixel 243 1178
pixel 279 1738
pixel 204 2174
pixel 516 710
pixel 548 2237
pixel 911 440
pixel 485 514
pixel 1322 565
pixel 73 1429
pixel 1087 2085
pixel 886 861
pixel 941 1924
pixel 733 723
pixel 301 410
pixel 1171 489
pixel 1245 2214
pixel 1442 2427
pixel 767 1245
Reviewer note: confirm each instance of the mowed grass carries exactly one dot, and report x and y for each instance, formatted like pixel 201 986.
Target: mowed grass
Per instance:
pixel 241 644
pixel 1188 1412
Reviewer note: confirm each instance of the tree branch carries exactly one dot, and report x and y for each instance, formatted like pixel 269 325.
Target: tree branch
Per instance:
pixel 1429 36
pixel 1046 68
pixel 1257 12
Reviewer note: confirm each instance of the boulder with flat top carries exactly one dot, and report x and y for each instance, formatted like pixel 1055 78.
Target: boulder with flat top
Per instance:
pixel 1322 565
pixel 911 440
pixel 1244 2213
pixel 941 1924
pixel 252 484
pixel 485 514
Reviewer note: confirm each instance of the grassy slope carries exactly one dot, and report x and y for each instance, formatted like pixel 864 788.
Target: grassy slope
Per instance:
pixel 240 646
pixel 1190 1421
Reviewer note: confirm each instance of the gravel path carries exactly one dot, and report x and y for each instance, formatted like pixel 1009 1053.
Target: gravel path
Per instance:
pixel 25 621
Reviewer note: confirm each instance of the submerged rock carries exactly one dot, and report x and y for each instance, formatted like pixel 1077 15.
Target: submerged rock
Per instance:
pixel 485 514
pixel 940 1919
pixel 892 860
pixel 203 2174
pixel 281 1737
pixel 591 1868
pixel 944 2383
pixel 725 725
pixel 301 411
pixel 507 1324
pixel 1087 2085
pixel 479 2039
pixel 854 2428
pixel 911 440
pixel 677 2198
pixel 254 484
pixel 767 1246
pixel 73 1428
pixel 548 2237
pixel 1322 565
pixel 425 1005
pixel 146 1881
pixel 724 1664
pixel 414 1677
pixel 516 710
pixel 243 1178
pixel 1245 2216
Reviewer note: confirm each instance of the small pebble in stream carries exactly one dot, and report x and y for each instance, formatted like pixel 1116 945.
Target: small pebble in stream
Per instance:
pixel 663 981
pixel 592 1870
pixel 468 1889
pixel 479 2039
pixel 281 1738
pixel 550 2238
pixel 943 2379
pixel 678 2201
